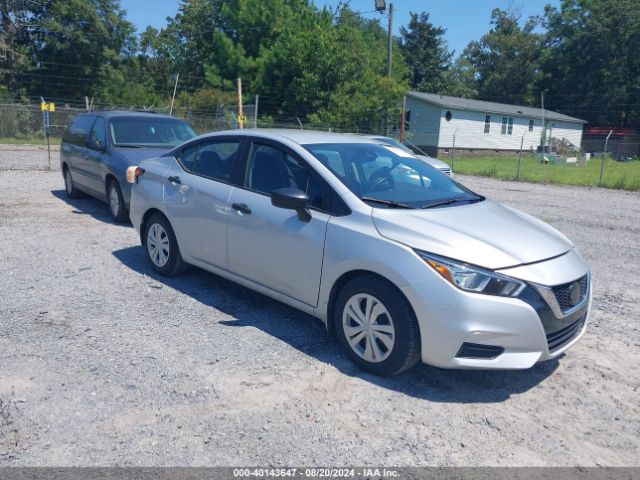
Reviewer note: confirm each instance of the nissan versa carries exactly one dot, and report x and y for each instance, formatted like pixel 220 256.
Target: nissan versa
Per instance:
pixel 402 262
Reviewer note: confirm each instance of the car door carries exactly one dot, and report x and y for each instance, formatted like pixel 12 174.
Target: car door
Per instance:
pixel 96 155
pixel 270 245
pixel 197 188
pixel 74 149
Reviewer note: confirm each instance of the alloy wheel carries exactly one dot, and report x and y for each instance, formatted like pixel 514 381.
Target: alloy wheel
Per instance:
pixel 158 245
pixel 368 328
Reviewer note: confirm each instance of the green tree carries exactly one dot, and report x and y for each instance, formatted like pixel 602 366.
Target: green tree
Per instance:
pixel 426 54
pixel 507 59
pixel 591 60
pixel 460 79
pixel 66 49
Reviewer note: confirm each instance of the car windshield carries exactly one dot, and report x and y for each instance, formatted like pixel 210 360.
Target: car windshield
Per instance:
pixel 392 142
pixel 149 132
pixel 388 177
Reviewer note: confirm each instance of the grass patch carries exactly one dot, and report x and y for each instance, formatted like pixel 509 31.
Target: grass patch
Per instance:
pixel 30 140
pixel 618 175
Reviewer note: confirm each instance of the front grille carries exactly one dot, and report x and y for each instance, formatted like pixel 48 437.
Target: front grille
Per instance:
pixel 476 350
pixel 560 338
pixel 563 294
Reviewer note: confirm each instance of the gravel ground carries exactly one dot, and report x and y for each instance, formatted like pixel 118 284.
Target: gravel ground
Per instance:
pixel 104 363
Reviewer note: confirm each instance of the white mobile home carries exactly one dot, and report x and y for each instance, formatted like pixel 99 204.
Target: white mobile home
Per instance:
pixel 435 122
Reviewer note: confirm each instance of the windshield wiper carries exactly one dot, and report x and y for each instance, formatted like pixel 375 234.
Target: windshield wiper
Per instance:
pixel 388 203
pixel 126 145
pixel 478 198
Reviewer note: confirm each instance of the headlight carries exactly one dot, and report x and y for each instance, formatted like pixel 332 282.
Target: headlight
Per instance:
pixel 473 279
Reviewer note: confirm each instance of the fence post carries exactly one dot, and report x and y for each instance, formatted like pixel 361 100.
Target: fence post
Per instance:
pixel 255 113
pixel 604 157
pixel 453 147
pixel 520 158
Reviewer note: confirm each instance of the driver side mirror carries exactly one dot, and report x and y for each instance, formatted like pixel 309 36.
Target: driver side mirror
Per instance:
pixel 292 199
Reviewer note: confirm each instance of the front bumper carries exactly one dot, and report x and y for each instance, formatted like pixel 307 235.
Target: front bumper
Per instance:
pixel 525 329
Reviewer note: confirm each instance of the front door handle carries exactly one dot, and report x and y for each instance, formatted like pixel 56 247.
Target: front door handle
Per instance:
pixel 241 207
pixel 174 179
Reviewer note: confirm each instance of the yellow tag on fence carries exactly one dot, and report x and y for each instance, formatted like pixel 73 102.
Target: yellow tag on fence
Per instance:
pixel 48 107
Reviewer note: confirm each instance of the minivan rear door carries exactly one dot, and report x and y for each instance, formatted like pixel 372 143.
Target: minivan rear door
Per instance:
pixel 74 150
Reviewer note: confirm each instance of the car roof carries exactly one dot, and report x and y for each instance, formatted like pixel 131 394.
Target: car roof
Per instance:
pixel 302 137
pixel 127 113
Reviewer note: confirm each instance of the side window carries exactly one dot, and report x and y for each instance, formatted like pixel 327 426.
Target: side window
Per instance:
pixel 78 131
pixel 188 157
pixel 269 169
pixel 215 159
pixel 99 132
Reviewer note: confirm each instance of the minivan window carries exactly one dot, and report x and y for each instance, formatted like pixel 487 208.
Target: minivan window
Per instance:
pixel 388 177
pixel 149 131
pixel 78 131
pixel 99 132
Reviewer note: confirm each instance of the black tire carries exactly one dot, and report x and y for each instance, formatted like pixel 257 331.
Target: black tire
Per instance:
pixel 405 352
pixel 174 264
pixel 69 186
pixel 117 209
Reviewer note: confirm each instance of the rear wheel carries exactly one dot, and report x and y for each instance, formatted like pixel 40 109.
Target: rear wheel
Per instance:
pixel 376 326
pixel 116 202
pixel 162 247
pixel 69 187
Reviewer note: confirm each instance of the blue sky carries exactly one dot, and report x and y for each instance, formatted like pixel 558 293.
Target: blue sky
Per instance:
pixel 465 20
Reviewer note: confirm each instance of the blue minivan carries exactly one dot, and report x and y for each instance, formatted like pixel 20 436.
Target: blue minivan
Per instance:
pixel 98 147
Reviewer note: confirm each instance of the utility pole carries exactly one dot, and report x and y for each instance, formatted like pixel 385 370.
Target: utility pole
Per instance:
pixel 390 41
pixel 173 97
pixel 240 113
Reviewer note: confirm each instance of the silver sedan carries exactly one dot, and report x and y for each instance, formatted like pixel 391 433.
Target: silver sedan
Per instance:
pixel 402 262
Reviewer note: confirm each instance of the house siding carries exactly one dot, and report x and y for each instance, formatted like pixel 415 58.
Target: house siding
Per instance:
pixel 424 125
pixel 430 128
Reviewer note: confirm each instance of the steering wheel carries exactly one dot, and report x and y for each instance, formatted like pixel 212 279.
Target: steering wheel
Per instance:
pixel 380 180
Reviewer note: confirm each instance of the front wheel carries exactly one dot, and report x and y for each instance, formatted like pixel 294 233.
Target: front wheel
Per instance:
pixel 376 326
pixel 116 202
pixel 162 247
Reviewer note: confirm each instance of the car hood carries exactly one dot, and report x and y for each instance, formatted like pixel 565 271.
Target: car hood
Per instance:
pixel 135 155
pixel 434 162
pixel 486 234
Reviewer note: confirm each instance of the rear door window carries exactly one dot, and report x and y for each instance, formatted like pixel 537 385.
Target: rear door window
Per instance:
pixel 78 131
pixel 213 159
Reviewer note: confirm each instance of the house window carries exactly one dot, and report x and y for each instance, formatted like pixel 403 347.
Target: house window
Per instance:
pixel 407 120
pixel 487 123
pixel 510 130
pixel 531 125
pixel 503 130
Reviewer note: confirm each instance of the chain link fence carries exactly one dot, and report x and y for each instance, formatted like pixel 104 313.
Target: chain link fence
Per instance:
pixel 598 162
pixel 606 159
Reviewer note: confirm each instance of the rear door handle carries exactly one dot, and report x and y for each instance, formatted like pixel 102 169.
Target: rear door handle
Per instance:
pixel 174 179
pixel 241 207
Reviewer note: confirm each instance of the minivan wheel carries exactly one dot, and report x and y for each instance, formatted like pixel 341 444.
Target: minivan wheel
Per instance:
pixel 116 202
pixel 69 187
pixel 376 326
pixel 162 247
